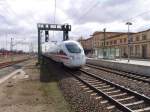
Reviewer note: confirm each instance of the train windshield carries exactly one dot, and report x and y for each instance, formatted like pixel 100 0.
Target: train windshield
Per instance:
pixel 73 48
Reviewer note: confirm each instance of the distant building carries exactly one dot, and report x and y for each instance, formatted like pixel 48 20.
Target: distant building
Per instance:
pixel 115 45
pixel 140 44
pixel 94 45
pixel 87 45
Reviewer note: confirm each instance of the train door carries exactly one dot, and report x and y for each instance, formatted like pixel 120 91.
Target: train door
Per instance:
pixel 144 51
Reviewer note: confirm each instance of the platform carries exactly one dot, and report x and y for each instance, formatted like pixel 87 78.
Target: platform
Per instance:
pixel 141 67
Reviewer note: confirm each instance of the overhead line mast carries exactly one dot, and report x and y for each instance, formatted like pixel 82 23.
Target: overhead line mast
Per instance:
pixel 54 17
pixel 55 12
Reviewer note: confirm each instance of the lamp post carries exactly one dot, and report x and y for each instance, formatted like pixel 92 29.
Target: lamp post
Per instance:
pixel 104 50
pixel 128 23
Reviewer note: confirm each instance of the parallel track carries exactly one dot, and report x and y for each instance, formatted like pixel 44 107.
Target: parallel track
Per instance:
pixel 7 64
pixel 118 96
pixel 145 79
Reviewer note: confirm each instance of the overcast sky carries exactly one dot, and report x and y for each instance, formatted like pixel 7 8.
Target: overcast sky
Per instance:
pixel 18 18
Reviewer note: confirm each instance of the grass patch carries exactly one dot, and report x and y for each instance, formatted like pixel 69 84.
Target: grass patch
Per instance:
pixel 54 96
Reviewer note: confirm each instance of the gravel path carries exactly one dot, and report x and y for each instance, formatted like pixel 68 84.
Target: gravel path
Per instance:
pixel 23 92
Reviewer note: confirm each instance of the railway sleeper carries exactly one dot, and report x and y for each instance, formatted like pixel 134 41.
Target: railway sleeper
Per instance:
pixel 104 101
pixel 109 106
pixel 137 76
pixel 126 98
pixel 95 82
pixel 99 100
pixel 97 85
pixel 98 97
pixel 138 105
pixel 93 94
pixel 134 103
pixel 110 92
pixel 86 88
pixel 120 96
pixel 89 91
pixel 101 86
pixel 90 81
pixel 130 100
pixel 108 89
pixel 147 109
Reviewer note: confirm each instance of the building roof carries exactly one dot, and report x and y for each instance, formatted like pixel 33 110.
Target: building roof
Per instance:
pixel 143 31
pixel 101 32
pixel 118 34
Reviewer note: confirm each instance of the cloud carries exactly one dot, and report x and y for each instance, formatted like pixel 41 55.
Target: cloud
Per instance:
pixel 103 11
pixel 19 18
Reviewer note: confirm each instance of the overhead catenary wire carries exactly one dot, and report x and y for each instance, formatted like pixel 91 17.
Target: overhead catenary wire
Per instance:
pixel 90 9
pixel 133 17
pixel 55 12
pixel 75 14
pixel 9 9
pixel 54 16
pixel 124 20
pixel 12 10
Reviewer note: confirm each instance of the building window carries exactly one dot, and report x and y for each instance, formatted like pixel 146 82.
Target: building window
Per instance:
pixel 120 40
pixel 99 44
pixel 110 42
pixel 131 50
pixel 137 38
pixel 137 50
pixel 124 52
pixel 143 37
pixel 115 41
pixel 131 39
pixel 107 43
pixel 96 44
pixel 125 40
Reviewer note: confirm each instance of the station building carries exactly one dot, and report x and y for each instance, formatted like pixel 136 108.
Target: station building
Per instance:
pixel 115 45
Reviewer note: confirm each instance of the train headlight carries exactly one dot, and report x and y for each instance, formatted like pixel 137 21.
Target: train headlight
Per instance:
pixel 72 57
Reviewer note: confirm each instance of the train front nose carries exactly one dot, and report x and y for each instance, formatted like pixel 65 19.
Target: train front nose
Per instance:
pixel 78 60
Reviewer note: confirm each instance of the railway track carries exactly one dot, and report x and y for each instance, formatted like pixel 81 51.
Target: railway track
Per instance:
pixel 138 77
pixel 7 64
pixel 116 97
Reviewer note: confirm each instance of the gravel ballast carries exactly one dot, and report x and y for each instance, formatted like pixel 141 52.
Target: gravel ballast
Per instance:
pixel 78 98
pixel 139 86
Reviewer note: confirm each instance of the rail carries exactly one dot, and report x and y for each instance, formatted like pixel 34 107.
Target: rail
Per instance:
pixel 137 77
pixel 91 81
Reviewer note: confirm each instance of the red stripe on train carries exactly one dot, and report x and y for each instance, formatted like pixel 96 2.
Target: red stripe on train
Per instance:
pixel 62 56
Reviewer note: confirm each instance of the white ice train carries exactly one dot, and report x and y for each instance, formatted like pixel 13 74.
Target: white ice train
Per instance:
pixel 69 53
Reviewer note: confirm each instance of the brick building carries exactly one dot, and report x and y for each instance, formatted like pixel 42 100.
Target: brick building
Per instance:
pixel 94 44
pixel 87 45
pixel 115 44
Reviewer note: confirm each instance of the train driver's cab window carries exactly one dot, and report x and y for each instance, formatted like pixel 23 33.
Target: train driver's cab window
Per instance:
pixel 73 48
